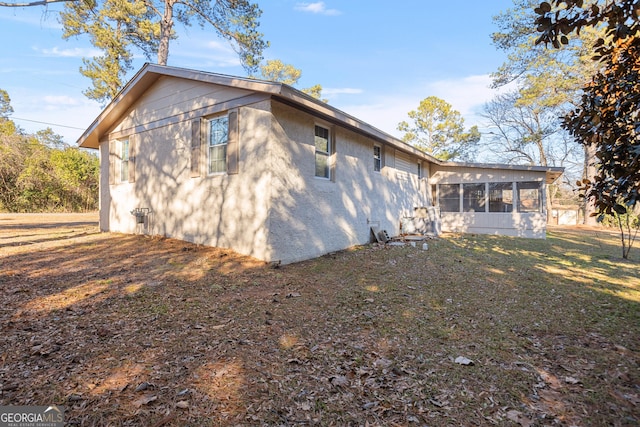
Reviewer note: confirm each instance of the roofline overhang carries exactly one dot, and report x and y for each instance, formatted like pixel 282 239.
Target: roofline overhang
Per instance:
pixel 150 73
pixel 552 172
pixel 144 79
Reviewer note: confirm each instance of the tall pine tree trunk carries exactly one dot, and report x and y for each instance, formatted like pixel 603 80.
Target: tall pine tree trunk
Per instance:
pixel 166 29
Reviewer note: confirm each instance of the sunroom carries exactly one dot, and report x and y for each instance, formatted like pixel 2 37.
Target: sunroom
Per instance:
pixel 492 199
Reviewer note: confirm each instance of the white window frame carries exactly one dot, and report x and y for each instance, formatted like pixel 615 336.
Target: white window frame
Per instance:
pixel 125 151
pixel 326 154
pixel 377 158
pixel 217 146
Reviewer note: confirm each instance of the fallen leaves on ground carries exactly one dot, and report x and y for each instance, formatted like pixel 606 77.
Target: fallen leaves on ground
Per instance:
pixel 133 330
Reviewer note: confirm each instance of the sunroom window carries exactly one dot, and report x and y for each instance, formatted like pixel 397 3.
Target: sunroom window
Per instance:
pixel 473 197
pixel 500 197
pixel 449 197
pixel 529 196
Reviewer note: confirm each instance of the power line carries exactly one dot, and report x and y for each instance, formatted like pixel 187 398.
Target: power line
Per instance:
pixel 46 123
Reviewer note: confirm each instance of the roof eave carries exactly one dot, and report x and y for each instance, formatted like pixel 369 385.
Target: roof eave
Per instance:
pixel 149 73
pixel 146 77
pixel 143 79
pixel 552 173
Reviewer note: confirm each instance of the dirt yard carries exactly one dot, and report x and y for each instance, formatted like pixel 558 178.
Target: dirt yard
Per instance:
pixel 128 330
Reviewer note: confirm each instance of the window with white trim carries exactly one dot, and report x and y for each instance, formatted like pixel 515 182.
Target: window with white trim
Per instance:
pixel 124 160
pixel 218 140
pixel 323 152
pixel 377 158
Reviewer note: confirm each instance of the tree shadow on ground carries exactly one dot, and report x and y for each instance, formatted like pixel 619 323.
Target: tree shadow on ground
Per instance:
pixel 135 330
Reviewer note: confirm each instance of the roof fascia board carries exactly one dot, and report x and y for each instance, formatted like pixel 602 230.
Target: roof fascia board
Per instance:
pixel 118 106
pixel 503 166
pixel 552 173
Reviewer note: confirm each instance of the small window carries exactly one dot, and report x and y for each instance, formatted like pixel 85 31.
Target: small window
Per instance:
pixel 529 197
pixel 473 197
pixel 323 151
pixel 449 197
pixel 218 140
pixel 377 158
pixel 419 170
pixel 124 163
pixel 500 197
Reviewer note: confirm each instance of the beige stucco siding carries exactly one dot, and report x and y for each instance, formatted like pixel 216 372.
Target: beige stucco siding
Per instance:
pixel 218 210
pixel 311 216
pixel 105 199
pixel 269 204
pixel 170 97
pixel 521 224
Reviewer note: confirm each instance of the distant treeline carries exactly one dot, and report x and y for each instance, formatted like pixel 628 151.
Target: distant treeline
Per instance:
pixel 40 173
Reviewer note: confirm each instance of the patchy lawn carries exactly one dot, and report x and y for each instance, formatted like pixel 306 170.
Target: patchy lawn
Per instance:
pixel 131 330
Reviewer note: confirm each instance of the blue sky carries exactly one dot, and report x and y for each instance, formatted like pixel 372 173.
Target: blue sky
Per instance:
pixel 375 60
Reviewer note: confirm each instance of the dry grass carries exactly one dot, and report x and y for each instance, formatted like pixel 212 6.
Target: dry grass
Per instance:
pixel 130 330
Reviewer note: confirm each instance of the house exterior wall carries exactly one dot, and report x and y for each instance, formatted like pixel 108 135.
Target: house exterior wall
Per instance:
pixel 274 208
pixel 171 97
pixel 521 224
pixel 104 189
pixel 311 216
pixel 218 210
